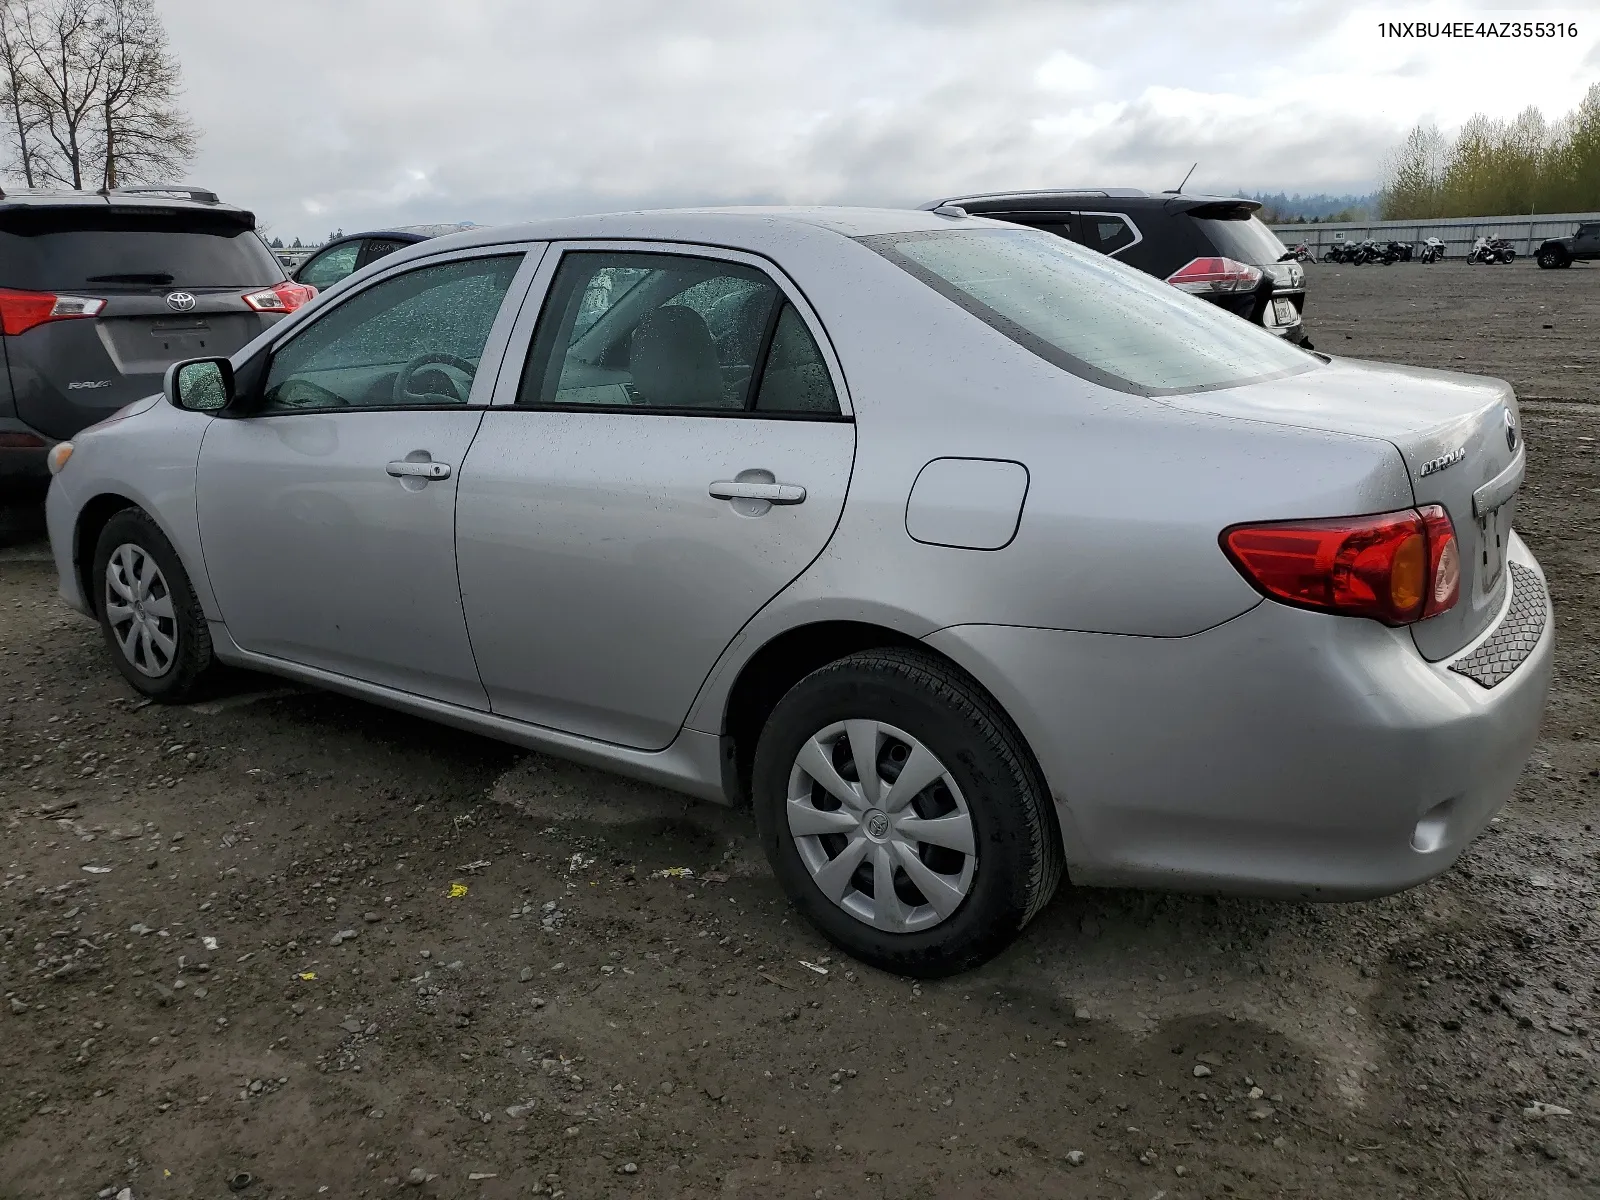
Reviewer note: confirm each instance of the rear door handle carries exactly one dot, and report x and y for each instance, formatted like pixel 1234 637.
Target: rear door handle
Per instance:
pixel 772 493
pixel 418 470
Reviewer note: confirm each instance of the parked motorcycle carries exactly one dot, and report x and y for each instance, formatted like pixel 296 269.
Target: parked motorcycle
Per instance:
pixel 1303 253
pixel 1371 251
pixel 1432 251
pixel 1339 252
pixel 1394 252
pixel 1492 250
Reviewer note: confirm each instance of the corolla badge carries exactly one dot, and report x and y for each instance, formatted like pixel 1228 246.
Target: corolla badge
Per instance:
pixel 1511 431
pixel 1434 465
pixel 180 301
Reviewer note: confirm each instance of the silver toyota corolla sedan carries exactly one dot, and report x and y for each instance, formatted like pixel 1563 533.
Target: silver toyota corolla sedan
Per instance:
pixel 965 555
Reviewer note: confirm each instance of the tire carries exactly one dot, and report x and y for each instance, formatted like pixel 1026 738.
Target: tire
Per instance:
pixel 1508 256
pixel 911 704
pixel 1550 259
pixel 169 661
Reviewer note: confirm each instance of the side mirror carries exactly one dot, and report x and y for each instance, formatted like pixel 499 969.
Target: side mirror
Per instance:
pixel 200 384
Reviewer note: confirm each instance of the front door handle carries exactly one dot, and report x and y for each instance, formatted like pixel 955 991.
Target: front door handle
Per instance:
pixel 418 470
pixel 772 493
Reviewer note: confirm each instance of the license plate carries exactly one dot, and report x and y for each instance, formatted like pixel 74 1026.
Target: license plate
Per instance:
pixel 1284 312
pixel 1491 548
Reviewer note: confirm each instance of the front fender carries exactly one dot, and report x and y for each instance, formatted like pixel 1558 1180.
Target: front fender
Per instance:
pixel 149 460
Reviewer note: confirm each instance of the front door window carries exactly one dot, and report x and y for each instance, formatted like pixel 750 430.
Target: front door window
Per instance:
pixel 414 339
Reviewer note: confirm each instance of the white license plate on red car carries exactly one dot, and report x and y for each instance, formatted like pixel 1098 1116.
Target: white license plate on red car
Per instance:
pixel 1284 312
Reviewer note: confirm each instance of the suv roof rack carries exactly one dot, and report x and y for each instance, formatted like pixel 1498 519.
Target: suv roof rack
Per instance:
pixel 198 195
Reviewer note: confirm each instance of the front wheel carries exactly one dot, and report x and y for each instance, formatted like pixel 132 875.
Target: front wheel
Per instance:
pixel 903 815
pixel 1549 259
pixel 152 622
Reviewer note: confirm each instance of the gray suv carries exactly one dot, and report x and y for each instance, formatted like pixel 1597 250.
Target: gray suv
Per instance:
pixel 101 291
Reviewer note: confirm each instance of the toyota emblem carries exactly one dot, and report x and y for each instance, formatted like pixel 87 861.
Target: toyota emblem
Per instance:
pixel 1511 431
pixel 180 301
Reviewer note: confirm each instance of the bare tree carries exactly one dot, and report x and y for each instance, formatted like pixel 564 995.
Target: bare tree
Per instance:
pixel 16 96
pixel 90 91
pixel 144 134
pixel 64 77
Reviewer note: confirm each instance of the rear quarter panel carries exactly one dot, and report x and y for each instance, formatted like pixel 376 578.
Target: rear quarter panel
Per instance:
pixel 1127 495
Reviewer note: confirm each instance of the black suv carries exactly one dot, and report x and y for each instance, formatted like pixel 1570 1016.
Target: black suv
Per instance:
pixel 101 291
pixel 1213 246
pixel 1561 252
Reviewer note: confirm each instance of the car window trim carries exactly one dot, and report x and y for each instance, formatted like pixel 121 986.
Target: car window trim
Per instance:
pixel 494 347
pixel 521 339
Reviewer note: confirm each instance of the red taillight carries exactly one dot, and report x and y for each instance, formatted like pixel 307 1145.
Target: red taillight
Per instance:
pixel 1444 561
pixel 21 311
pixel 1396 567
pixel 1215 275
pixel 22 441
pixel 284 298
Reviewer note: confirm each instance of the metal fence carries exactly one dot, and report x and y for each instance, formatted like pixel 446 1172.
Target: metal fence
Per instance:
pixel 1457 233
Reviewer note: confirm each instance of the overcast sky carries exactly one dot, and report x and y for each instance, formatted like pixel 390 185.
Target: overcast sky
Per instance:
pixel 354 113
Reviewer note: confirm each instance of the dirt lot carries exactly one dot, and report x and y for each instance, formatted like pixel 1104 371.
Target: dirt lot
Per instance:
pixel 352 954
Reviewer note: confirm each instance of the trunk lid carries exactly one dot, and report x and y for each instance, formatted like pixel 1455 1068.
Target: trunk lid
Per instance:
pixel 1460 438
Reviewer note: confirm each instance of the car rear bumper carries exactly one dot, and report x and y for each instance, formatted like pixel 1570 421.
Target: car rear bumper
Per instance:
pixel 24 475
pixel 1282 753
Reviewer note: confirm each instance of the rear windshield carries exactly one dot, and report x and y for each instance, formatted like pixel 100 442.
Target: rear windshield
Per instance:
pixel 89 251
pixel 1240 237
pixel 1092 315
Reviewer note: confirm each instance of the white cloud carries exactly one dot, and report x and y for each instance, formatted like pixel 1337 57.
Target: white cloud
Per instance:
pixel 370 112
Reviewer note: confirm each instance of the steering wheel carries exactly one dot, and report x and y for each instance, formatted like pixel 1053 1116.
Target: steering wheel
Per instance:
pixel 437 359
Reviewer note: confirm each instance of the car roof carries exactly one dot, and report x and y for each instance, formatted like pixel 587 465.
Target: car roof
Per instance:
pixel 1121 199
pixel 759 229
pixel 155 198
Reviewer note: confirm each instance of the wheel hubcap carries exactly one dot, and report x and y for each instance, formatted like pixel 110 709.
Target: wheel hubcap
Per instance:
pixel 891 841
pixel 139 611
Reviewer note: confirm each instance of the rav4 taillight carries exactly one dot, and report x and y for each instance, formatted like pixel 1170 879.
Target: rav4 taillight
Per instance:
pixel 283 298
pixel 21 311
pixel 1395 567
pixel 1204 275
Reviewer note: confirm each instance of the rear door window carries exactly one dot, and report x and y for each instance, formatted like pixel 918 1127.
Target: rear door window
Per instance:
pixel 92 251
pixel 659 331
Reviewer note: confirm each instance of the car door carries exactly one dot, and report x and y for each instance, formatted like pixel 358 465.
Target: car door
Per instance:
pixel 1586 243
pixel 327 505
pixel 672 450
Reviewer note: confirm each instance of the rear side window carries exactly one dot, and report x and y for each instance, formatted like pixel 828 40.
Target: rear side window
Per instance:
pixel 672 333
pixel 1238 235
pixel 92 251
pixel 1091 315
pixel 1106 232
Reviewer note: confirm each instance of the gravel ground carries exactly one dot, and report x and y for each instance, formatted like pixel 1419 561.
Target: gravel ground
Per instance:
pixel 346 953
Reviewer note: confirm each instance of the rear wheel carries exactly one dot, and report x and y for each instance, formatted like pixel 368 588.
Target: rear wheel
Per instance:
pixel 903 815
pixel 152 622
